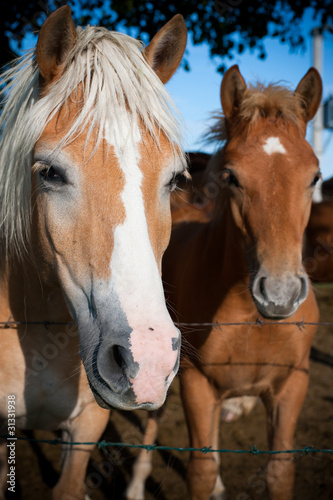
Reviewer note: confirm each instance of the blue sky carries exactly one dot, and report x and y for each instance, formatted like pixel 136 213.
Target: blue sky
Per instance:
pixel 197 93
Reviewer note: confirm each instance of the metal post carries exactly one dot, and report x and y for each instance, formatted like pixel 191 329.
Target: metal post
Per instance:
pixel 317 127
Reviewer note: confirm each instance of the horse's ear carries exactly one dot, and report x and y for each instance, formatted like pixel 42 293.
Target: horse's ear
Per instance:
pixel 166 49
pixel 310 88
pixel 232 89
pixel 56 38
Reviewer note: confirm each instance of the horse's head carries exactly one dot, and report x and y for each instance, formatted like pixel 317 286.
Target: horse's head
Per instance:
pixel 271 170
pixel 103 168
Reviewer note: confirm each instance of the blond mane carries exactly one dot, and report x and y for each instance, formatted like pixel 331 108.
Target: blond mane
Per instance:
pixel 115 77
pixel 273 102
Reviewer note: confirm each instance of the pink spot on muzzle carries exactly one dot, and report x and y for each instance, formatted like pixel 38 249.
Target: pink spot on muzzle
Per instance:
pixel 157 358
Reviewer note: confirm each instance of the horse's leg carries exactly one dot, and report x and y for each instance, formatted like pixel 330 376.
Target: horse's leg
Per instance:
pixel 202 411
pixel 3 468
pixel 219 492
pixel 87 427
pixel 143 464
pixel 282 419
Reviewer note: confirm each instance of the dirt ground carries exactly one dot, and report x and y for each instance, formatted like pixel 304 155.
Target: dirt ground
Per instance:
pixel 38 465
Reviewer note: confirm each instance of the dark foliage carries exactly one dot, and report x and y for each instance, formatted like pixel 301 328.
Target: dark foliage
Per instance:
pixel 228 26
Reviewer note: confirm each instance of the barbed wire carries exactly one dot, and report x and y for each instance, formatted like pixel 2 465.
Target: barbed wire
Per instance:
pixel 216 324
pixel 315 354
pixel 258 322
pixel 16 324
pixel 253 450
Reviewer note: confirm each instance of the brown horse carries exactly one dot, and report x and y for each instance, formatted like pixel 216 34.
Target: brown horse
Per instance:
pixel 245 263
pixel 327 189
pixel 188 200
pixel 318 251
pixel 90 148
pixel 194 198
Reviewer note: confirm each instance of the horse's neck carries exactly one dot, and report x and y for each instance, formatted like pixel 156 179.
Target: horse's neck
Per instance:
pixel 207 270
pixel 224 251
pixel 26 297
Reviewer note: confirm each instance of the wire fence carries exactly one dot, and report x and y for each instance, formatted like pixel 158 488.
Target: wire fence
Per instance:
pixel 253 450
pixel 316 355
pixel 216 324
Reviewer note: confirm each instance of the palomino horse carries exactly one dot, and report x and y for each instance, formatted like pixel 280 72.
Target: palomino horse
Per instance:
pixel 90 148
pixel 244 263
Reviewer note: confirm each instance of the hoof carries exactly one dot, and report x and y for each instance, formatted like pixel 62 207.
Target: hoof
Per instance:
pixel 135 493
pixel 219 496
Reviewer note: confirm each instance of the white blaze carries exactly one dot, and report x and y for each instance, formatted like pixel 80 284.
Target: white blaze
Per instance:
pixel 134 272
pixel 273 145
pixel 136 281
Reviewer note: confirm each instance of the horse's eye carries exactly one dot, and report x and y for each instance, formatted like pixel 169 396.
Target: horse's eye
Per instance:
pixel 174 181
pixel 49 174
pixel 316 179
pixel 229 178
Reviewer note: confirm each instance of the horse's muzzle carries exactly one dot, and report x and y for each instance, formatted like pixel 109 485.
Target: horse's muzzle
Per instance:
pixel 123 377
pixel 279 297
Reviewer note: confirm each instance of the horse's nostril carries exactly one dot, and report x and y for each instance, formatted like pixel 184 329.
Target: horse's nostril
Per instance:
pixel 118 357
pixel 262 287
pixel 259 289
pixel 304 288
pixel 123 360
